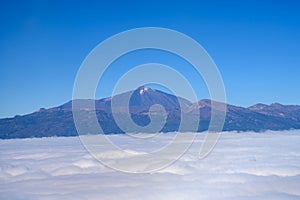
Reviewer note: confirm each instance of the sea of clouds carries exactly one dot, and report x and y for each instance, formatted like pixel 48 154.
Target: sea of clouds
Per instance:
pixel 241 166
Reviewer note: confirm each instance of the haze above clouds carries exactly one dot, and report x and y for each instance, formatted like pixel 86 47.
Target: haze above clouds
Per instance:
pixel 242 166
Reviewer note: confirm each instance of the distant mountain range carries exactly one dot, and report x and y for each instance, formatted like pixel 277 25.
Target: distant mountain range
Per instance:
pixel 58 121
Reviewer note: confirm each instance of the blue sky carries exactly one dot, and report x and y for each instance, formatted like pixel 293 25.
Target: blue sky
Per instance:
pixel 255 45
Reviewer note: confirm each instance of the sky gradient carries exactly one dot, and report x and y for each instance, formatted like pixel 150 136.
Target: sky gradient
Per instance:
pixel 255 45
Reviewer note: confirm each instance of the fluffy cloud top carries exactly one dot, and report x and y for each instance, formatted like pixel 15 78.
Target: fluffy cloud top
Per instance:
pixel 242 166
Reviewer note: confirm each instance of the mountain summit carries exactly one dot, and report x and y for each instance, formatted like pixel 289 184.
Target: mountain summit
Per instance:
pixel 58 121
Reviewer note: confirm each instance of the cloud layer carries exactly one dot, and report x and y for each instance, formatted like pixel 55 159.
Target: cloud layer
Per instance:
pixel 242 166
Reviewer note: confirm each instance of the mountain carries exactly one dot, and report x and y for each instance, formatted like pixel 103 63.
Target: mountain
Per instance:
pixel 58 121
pixel 256 118
pixel 292 111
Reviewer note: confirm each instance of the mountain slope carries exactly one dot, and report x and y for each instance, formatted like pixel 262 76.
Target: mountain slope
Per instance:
pixel 254 119
pixel 58 121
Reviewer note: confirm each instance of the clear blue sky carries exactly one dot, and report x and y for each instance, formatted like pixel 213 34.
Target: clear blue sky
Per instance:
pixel 256 45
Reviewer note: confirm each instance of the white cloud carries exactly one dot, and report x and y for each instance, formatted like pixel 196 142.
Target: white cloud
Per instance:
pixel 242 166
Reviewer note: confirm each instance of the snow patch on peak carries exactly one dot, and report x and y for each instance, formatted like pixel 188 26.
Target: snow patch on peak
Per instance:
pixel 142 90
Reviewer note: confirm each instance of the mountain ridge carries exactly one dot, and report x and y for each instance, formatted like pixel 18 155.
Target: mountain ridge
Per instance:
pixel 58 121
